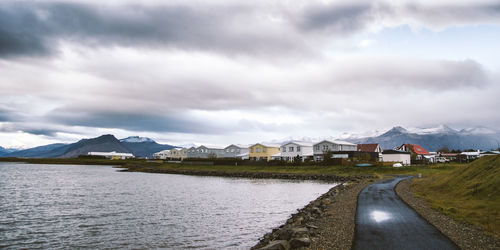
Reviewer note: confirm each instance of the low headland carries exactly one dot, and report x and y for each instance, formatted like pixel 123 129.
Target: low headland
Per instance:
pixel 463 197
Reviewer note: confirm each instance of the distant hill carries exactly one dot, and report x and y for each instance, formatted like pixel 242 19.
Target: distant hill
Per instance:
pixel 138 146
pixel 47 151
pixel 103 143
pixel 434 139
pixel 4 151
pixel 143 146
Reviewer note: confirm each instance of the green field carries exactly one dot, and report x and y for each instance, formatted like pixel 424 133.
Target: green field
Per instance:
pixel 470 193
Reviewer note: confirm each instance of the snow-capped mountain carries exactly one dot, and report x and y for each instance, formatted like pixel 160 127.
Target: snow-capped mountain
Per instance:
pixel 436 138
pixel 136 139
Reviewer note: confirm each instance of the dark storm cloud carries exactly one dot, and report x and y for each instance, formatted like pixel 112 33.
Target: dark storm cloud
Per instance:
pixel 336 18
pixel 28 28
pixel 134 121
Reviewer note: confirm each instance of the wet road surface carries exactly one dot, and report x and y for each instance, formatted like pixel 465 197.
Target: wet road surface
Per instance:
pixel 384 221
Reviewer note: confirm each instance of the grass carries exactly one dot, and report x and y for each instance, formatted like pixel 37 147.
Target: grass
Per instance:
pixel 469 194
pixel 325 170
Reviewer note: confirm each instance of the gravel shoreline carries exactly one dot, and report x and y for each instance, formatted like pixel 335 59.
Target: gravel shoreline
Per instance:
pixel 325 223
pixel 465 236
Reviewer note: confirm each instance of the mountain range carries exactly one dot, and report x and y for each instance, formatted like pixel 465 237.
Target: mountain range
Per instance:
pixel 138 146
pixel 436 138
pixel 431 139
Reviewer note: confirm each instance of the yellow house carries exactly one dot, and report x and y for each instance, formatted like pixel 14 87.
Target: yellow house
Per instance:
pixel 261 151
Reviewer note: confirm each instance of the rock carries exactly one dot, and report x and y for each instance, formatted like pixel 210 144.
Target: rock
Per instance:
pixel 277 245
pixel 311 226
pixel 298 221
pixel 295 232
pixel 300 242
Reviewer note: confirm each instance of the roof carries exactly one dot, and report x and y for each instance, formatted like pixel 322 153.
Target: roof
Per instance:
pixel 368 147
pixel 300 143
pixel 391 152
pixel 417 149
pixel 337 142
pixel 238 146
pixel 114 153
pixel 268 145
pixel 211 147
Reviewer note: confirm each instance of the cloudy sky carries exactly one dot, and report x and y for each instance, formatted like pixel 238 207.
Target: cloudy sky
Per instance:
pixel 224 72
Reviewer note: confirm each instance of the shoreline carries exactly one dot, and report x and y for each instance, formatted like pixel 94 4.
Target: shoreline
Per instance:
pixel 328 222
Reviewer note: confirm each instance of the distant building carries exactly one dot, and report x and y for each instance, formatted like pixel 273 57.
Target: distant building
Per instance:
pixel 320 148
pixel 236 151
pixel 164 154
pixel 112 155
pixel 374 147
pixel 261 151
pixel 178 153
pixel 292 149
pixel 396 156
pixel 420 153
pixel 205 152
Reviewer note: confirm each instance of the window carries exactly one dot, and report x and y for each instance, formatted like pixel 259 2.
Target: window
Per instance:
pixel 227 150
pixel 290 149
pixel 325 147
pixel 264 150
pixel 258 150
pixel 284 149
pixel 251 150
pixel 232 150
pixel 316 147
pixel 298 148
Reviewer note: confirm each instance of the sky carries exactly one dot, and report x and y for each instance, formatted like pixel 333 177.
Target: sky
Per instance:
pixel 224 72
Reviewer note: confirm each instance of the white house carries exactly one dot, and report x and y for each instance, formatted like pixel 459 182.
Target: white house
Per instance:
pixel 178 153
pixel 402 157
pixel 293 149
pixel 320 148
pixel 164 154
pixel 112 155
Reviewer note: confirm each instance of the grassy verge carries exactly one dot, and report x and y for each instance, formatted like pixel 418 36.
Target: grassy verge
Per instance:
pixel 470 193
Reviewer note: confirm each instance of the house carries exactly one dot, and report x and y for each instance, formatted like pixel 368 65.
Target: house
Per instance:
pixel 371 148
pixel 470 156
pixel 178 153
pixel 112 155
pixel 236 151
pixel 262 151
pixel 486 153
pixel 164 154
pixel 205 152
pixel 420 153
pixel 292 149
pixel 396 156
pixel 374 147
pixel 321 148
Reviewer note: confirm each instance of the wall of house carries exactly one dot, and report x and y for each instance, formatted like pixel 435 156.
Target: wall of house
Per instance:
pixel 232 151
pixel 261 151
pixel 319 148
pixel 304 151
pixel 403 158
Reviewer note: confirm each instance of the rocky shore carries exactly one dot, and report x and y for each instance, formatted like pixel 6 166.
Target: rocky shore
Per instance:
pixel 325 223
pixel 465 236
pixel 254 175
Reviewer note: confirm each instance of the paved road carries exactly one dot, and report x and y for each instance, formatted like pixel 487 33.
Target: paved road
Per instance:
pixel 384 221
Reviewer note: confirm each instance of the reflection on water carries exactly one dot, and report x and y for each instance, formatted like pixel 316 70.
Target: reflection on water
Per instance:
pixel 68 206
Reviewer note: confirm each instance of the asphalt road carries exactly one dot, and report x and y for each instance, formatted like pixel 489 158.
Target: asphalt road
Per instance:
pixel 384 221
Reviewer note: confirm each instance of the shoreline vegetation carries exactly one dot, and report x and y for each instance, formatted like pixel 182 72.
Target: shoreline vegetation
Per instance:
pixel 462 193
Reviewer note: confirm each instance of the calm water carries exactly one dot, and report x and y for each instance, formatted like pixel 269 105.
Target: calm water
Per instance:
pixel 70 206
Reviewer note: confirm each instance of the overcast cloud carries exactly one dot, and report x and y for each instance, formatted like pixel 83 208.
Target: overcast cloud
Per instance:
pixel 240 72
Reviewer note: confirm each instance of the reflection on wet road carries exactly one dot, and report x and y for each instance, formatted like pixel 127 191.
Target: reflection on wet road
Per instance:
pixel 384 221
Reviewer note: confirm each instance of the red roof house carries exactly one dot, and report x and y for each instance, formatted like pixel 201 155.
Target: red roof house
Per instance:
pixel 415 148
pixel 375 147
